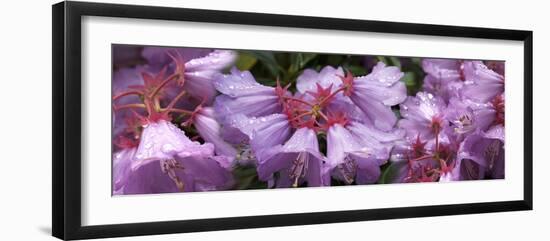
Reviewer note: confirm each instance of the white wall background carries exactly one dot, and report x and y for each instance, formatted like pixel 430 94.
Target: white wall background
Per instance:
pixel 25 119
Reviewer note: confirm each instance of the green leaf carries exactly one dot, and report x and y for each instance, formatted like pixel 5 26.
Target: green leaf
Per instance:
pixel 392 172
pixel 395 62
pixel 245 61
pixel 383 59
pixel 247 178
pixel 299 61
pixel 409 79
pixel 268 60
pixel 356 70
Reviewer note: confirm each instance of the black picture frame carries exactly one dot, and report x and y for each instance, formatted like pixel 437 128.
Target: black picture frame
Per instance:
pixel 66 47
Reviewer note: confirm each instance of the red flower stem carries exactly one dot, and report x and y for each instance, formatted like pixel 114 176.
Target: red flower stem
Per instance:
pixel 162 84
pixel 301 115
pixel 129 106
pixel 332 95
pixel 175 100
pixel 176 110
pixel 323 115
pixel 298 100
pixel 131 92
pixel 420 158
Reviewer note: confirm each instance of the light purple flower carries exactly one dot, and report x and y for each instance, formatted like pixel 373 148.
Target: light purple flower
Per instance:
pixel 162 140
pixel 444 77
pixel 157 57
pixel 243 95
pixel 376 92
pixel 423 116
pixel 186 174
pixel 200 73
pixel 350 160
pixel 466 116
pixel 167 161
pixel 210 130
pixel 297 161
pixel 192 68
pixel 122 161
pixel 482 84
pixel 486 155
pixel 328 76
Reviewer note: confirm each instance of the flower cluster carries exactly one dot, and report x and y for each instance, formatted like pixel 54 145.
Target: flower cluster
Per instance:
pixel 187 119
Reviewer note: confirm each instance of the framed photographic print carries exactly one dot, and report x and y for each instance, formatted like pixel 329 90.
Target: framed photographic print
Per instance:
pixel 169 120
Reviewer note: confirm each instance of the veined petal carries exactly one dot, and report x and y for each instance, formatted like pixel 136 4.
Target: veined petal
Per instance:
pixel 482 84
pixel 381 115
pixel 216 60
pixel 328 76
pixel 210 131
pixel 239 84
pixel 381 74
pixel 252 105
pixel 122 161
pixel 162 140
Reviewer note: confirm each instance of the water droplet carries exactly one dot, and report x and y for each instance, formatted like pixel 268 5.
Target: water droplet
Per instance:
pixel 167 148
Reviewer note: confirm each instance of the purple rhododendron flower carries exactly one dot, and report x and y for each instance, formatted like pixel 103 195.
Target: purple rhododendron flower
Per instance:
pixel 482 84
pixel 210 130
pixel 243 95
pixel 299 158
pixel 484 156
pixel 327 77
pixel 423 116
pixel 376 92
pixel 162 140
pixel 350 160
pixel 444 77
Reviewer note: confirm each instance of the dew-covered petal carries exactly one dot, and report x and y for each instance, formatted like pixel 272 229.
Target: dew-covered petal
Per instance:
pixel 308 80
pixel 216 60
pixel 368 169
pixel 210 130
pixel 389 95
pixel 252 105
pixel 442 69
pixel 157 57
pixel 303 142
pixel 381 115
pixel 122 161
pixel 162 140
pixel 240 84
pixel 495 132
pixel 149 179
pixel 418 112
pixel 340 142
pixel 382 74
pixel 484 151
pixel 483 84
pixel 208 172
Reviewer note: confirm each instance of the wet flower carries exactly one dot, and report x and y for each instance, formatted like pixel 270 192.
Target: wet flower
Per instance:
pixel 194 69
pixel 297 161
pixel 243 95
pixel 423 116
pixel 352 161
pixel 210 130
pixel 466 116
pixel 486 155
pixel 376 92
pixel 310 79
pixel 482 84
pixel 444 77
